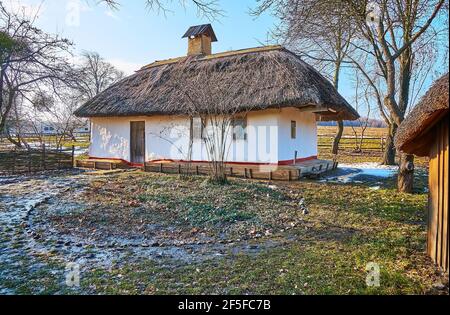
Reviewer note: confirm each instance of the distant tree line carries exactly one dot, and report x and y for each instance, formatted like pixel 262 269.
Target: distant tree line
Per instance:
pixel 371 123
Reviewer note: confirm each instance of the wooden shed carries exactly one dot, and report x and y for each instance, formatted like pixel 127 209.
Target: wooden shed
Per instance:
pixel 425 133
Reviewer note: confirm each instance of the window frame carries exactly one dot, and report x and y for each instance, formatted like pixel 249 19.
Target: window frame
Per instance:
pixel 195 135
pixel 244 125
pixel 293 129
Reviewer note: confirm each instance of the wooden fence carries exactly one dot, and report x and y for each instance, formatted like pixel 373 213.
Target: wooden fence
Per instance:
pixel 18 161
pixel 348 143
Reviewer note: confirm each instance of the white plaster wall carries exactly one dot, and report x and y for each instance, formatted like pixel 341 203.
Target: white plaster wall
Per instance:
pixel 167 137
pixel 110 138
pixel 262 133
pixel 306 141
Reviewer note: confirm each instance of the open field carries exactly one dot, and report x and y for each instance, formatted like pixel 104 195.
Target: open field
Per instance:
pixel 50 141
pixel 142 233
pixel 372 150
pixel 370 131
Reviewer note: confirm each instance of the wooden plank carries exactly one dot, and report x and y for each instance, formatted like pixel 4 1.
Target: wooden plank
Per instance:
pixel 443 226
pixel 137 141
pixel 439 222
pixel 433 204
pixel 282 173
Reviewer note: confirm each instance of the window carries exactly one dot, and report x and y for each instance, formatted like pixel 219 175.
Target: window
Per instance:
pixel 197 128
pixel 239 125
pixel 293 129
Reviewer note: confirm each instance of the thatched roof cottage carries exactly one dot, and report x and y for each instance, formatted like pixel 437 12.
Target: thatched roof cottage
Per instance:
pixel 425 133
pixel 275 99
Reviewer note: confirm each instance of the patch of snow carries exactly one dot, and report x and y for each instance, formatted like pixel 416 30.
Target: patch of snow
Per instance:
pixel 351 173
pixel 369 165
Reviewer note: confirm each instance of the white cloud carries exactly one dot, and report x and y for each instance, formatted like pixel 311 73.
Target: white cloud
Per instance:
pixel 111 14
pixel 123 65
pixel 127 67
pixel 25 8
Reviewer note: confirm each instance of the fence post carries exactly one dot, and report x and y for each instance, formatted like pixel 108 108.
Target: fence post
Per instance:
pixel 43 157
pixel 73 156
pixel 29 160
pixel 14 160
pixel 58 157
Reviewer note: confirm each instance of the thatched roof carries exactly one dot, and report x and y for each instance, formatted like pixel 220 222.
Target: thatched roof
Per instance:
pixel 431 108
pixel 155 89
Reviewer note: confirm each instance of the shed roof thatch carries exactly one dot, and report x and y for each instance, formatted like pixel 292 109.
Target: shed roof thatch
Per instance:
pixel 431 108
pixel 155 89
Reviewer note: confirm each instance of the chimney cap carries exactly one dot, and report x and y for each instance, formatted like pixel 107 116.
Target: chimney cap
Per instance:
pixel 205 29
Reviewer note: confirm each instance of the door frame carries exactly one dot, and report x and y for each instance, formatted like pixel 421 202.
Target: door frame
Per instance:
pixel 133 158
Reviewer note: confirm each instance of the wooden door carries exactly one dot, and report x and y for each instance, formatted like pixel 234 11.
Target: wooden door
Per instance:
pixel 137 142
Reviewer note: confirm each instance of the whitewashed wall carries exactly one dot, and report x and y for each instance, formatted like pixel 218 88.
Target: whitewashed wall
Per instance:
pixel 306 142
pixel 110 138
pixel 167 137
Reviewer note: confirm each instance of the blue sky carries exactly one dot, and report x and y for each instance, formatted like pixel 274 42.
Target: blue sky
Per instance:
pixel 134 36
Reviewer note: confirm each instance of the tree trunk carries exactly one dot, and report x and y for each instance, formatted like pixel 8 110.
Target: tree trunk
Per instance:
pixel 337 138
pixel 406 173
pixel 389 151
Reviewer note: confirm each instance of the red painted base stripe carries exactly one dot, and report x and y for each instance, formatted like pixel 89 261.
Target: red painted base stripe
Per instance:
pixel 286 162
pixel 118 160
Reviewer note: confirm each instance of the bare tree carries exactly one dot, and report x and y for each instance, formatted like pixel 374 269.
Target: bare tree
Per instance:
pixel 392 33
pixel 209 9
pixel 94 75
pixel 360 128
pixel 88 79
pixel 32 62
pixel 389 38
pixel 308 28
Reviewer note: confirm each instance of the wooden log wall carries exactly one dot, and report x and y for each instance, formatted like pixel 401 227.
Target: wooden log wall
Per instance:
pixel 250 172
pixel 96 165
pixel 438 238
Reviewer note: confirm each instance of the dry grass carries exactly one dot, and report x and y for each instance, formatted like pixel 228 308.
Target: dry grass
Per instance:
pixel 371 146
pixel 348 227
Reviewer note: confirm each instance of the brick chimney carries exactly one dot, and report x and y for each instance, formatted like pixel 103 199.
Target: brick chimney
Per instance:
pixel 200 38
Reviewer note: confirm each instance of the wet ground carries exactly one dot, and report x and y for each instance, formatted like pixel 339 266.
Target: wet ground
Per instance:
pixel 34 244
pixel 360 173
pixel 26 234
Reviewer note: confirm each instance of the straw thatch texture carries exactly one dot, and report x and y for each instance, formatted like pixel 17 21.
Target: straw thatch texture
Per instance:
pixel 433 106
pixel 279 78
